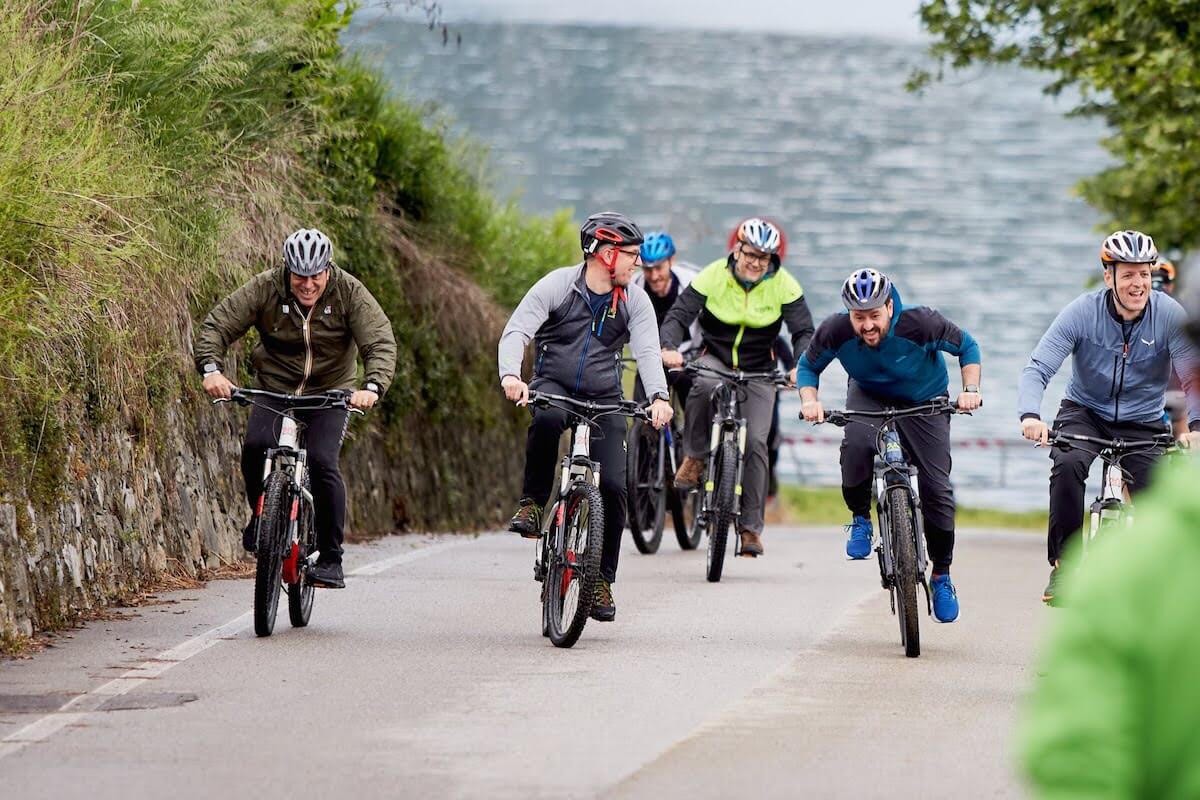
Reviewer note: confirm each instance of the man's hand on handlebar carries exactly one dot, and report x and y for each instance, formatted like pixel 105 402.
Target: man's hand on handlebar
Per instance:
pixel 672 359
pixel 1035 430
pixel 363 399
pixel 813 411
pixel 217 386
pixel 660 413
pixel 1190 440
pixel 969 401
pixel 515 389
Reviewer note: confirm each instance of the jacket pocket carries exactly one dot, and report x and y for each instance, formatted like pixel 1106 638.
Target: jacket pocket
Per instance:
pixel 537 367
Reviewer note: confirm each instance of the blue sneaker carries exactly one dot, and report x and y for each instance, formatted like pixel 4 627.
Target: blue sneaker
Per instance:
pixel 945 598
pixel 858 546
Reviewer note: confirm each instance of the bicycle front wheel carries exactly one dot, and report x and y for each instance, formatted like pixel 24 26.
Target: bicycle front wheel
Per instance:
pixel 574 566
pixel 269 567
pixel 301 593
pixel 722 514
pixel 904 548
pixel 647 496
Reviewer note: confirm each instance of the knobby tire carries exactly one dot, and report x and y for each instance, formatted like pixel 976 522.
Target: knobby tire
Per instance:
pixel 269 567
pixel 301 593
pixel 647 507
pixel 722 514
pixel 584 523
pixel 904 546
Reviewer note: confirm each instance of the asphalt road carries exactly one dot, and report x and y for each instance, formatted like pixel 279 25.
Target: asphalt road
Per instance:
pixel 428 677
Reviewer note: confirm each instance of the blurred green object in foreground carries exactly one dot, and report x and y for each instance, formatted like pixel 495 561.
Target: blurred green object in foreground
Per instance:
pixel 1115 704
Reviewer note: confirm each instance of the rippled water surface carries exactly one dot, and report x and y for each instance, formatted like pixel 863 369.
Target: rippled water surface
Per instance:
pixel 962 195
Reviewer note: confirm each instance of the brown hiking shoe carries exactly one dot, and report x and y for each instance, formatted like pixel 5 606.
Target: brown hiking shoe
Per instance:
pixel 689 473
pixel 604 608
pixel 751 544
pixel 528 520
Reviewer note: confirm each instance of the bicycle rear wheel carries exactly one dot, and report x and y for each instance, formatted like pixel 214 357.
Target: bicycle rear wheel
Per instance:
pixel 301 593
pixel 904 549
pixel 722 514
pixel 647 497
pixel 574 565
pixel 269 567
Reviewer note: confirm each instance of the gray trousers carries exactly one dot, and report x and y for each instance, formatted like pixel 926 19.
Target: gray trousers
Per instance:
pixel 926 442
pixel 757 408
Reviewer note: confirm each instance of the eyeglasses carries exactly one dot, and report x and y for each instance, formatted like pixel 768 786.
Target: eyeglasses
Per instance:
pixel 754 259
pixel 635 254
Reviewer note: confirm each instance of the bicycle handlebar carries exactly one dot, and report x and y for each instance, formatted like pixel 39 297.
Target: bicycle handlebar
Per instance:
pixel 591 408
pixel 736 376
pixel 334 398
pixel 1065 441
pixel 942 405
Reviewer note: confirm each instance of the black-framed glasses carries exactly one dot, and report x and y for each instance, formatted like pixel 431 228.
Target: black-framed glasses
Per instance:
pixel 755 259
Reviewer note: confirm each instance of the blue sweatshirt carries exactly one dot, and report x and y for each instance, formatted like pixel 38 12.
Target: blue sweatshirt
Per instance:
pixel 907 366
pixel 1119 369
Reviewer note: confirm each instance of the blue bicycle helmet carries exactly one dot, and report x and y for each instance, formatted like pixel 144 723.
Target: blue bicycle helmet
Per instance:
pixel 659 246
pixel 866 289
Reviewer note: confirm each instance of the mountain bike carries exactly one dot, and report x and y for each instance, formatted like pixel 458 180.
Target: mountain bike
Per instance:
pixel 718 505
pixel 567 561
pixel 900 550
pixel 651 457
pixel 1112 506
pixel 283 517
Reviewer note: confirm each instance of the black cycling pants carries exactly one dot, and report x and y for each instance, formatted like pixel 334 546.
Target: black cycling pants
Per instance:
pixel 323 440
pixel 607 447
pixel 926 442
pixel 1068 476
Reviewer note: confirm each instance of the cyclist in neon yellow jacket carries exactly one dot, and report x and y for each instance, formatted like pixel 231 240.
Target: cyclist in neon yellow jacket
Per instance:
pixel 742 302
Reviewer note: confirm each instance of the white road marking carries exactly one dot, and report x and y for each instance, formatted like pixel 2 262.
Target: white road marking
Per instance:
pixel 78 708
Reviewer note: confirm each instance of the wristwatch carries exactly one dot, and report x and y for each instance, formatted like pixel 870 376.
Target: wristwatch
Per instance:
pixel 973 388
pixel 372 386
pixel 210 368
pixel 661 396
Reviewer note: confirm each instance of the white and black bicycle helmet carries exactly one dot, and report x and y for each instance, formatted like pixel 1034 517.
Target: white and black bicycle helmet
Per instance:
pixel 1128 247
pixel 759 234
pixel 307 252
pixel 866 289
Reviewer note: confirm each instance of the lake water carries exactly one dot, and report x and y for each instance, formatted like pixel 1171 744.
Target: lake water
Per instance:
pixel 963 195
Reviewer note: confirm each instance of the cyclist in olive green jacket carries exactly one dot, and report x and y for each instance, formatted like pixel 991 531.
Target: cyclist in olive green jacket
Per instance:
pixel 1114 712
pixel 312 320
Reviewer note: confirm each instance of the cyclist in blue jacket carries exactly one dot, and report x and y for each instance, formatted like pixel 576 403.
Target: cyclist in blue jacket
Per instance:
pixel 893 355
pixel 1123 341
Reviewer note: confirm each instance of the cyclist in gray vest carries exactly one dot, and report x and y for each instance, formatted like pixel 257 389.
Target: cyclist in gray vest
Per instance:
pixel 580 318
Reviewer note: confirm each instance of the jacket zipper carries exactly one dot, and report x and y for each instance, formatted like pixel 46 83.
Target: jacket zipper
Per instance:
pixel 586 343
pixel 737 340
pixel 307 351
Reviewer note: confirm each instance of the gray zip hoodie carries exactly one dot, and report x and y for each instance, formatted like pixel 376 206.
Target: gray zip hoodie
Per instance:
pixel 580 347
pixel 1118 370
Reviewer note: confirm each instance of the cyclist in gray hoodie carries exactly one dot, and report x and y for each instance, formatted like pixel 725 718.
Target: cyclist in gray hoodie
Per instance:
pixel 580 318
pixel 1123 341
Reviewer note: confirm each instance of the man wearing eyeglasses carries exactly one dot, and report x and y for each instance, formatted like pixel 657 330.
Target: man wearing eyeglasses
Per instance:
pixel 742 301
pixel 579 319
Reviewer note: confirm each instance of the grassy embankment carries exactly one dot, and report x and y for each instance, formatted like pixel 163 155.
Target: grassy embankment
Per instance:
pixel 802 505
pixel 153 156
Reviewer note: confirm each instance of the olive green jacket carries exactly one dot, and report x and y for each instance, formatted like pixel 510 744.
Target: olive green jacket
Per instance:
pixel 298 353
pixel 1115 709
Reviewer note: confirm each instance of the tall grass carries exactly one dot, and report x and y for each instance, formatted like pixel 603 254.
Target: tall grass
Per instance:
pixel 153 155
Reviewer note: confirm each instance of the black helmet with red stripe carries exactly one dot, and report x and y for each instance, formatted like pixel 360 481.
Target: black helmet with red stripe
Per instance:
pixel 608 227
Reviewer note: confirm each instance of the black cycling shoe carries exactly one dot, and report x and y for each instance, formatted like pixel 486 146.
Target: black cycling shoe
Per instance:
pixel 249 536
pixel 604 608
pixel 327 574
